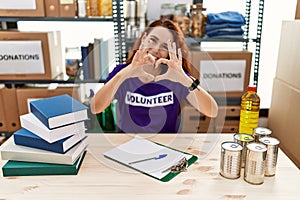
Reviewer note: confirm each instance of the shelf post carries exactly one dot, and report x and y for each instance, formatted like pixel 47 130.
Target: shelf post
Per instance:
pixel 119 30
pixel 258 41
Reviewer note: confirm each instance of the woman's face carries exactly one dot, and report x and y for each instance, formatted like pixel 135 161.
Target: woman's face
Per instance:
pixel 157 42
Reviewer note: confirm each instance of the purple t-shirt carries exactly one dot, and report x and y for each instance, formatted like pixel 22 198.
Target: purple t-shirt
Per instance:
pixel 148 107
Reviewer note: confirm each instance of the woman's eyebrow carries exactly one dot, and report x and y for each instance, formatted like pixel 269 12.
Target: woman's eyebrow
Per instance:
pixel 154 37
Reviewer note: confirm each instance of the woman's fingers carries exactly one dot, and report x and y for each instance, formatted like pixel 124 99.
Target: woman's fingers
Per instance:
pixel 149 58
pixel 172 53
pixel 180 56
pixel 142 57
pixel 161 61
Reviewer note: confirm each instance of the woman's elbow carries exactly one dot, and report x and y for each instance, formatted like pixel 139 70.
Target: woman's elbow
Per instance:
pixel 213 111
pixel 93 107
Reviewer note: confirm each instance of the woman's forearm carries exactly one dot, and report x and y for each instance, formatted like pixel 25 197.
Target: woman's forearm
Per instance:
pixel 105 95
pixel 201 99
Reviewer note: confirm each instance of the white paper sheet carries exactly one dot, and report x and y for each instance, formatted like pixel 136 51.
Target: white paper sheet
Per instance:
pixel 21 57
pixel 140 148
pixel 18 4
pixel 222 75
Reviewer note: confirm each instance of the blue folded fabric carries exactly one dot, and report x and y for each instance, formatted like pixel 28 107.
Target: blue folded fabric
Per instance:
pixel 224 37
pixel 211 27
pixel 226 17
pixel 225 31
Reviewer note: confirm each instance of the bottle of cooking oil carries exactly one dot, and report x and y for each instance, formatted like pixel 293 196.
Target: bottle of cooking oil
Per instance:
pixel 249 113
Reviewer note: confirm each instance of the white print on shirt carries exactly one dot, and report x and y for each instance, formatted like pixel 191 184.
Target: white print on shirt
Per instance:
pixel 162 99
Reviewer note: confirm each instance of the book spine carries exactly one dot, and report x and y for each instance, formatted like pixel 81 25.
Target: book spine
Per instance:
pixel 85 62
pixel 18 168
pixel 39 115
pixel 66 170
pixel 39 143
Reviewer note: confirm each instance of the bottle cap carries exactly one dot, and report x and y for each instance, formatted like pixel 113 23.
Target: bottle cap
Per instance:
pixel 197 6
pixel 252 88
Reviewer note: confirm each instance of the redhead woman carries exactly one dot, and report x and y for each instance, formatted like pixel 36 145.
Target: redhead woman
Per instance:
pixel 152 85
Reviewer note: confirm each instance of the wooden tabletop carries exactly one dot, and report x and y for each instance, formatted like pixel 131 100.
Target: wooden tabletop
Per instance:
pixel 101 178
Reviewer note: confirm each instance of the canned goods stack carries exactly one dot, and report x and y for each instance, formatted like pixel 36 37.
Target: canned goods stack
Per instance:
pixel 231 154
pixel 255 163
pixel 272 154
pixel 260 132
pixel 243 139
pixel 255 154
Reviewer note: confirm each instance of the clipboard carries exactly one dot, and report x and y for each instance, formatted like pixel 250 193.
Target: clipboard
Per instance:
pixel 141 149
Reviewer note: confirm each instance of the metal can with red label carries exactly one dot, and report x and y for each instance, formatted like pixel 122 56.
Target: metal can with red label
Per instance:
pixel 230 166
pixel 255 163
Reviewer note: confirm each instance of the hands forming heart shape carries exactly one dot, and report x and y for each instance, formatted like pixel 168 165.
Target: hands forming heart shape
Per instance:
pixel 143 61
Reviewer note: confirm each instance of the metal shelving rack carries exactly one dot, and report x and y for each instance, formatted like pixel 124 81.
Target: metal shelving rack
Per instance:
pixel 118 20
pixel 119 30
pixel 119 35
pixel 257 40
pixel 246 40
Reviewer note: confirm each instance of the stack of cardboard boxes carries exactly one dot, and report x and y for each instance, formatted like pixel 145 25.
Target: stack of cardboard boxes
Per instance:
pixel 27 56
pixel 40 8
pixel 15 102
pixel 225 75
pixel 56 8
pixel 284 111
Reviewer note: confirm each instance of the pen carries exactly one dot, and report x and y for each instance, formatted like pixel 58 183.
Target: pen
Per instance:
pixel 146 159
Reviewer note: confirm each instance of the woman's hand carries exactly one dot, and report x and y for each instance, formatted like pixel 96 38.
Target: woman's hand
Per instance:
pixel 175 71
pixel 136 67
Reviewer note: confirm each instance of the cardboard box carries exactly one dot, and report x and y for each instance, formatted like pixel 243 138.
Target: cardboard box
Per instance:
pixel 14 9
pixel 67 8
pixel 297 15
pixel 222 73
pixel 52 8
pixel 284 118
pixel 30 56
pixel 227 120
pixel 195 122
pixel 24 95
pixel 227 129
pixel 288 55
pixel 3 122
pixel 11 111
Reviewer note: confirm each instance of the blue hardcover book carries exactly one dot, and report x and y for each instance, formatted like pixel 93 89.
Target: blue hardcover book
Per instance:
pixel 58 111
pixel 26 138
pixel 85 62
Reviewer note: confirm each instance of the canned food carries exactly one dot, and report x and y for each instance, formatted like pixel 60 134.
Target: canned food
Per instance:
pixel 255 163
pixel 243 139
pixel 231 153
pixel 272 154
pixel 260 132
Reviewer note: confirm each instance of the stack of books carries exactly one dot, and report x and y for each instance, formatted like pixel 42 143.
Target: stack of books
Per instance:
pixel 51 140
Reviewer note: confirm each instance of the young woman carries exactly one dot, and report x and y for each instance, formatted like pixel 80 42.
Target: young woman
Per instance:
pixel 153 83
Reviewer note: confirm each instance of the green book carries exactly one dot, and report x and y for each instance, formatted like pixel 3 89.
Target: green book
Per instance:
pixel 20 168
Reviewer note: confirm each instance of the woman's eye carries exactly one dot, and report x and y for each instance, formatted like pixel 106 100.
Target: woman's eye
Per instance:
pixel 164 47
pixel 152 40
